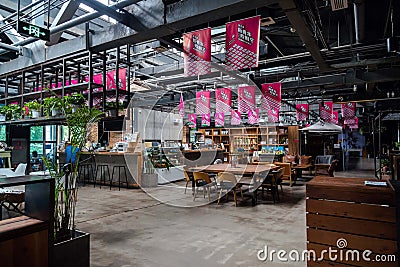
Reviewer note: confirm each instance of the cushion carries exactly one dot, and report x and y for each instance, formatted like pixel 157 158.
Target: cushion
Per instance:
pixel 305 160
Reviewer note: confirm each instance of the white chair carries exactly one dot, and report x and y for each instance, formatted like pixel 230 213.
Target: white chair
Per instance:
pixel 19 171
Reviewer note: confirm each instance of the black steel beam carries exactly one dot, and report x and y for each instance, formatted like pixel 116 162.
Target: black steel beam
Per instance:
pixel 294 15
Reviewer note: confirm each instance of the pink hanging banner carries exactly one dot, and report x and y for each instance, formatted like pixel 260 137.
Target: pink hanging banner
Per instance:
pixel 197 56
pixel 223 97
pixel 242 37
pixel 302 112
pixel 253 116
pixel 219 119
pixel 111 79
pixel 205 119
pixel 273 115
pixel 203 102
pixel 350 121
pixel 349 110
pixel 335 117
pixel 355 124
pixel 181 107
pixel 271 96
pixel 192 119
pixel 325 111
pixel 246 99
pixel 235 117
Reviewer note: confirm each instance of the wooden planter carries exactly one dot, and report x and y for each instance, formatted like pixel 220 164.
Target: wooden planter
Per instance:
pixel 74 252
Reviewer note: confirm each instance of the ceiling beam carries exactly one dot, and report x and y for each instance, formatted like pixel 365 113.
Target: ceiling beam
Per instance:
pixel 294 15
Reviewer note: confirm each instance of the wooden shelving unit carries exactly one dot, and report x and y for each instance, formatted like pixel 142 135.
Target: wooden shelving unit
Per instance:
pixel 252 138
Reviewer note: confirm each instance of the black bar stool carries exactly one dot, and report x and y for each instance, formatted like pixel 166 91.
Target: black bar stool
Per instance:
pixel 87 171
pixel 103 168
pixel 119 167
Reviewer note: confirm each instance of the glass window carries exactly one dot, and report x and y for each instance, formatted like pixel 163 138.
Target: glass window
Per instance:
pixel 37 133
pixel 2 133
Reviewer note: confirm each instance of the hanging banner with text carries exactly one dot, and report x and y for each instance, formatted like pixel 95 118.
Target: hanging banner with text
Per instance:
pixel 197 56
pixel 354 125
pixel 192 120
pixel 335 117
pixel 302 112
pixel 112 79
pixel 253 116
pixel 246 99
pixel 203 102
pixel 241 43
pixel 349 110
pixel 223 100
pixel 325 111
pixel 181 107
pixel 235 117
pixel 273 115
pixel 205 119
pixel 219 119
pixel 271 96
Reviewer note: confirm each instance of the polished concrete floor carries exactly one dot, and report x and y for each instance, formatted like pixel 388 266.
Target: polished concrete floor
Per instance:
pixel 130 228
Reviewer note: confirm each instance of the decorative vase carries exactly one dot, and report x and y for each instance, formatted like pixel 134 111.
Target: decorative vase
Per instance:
pixel 36 114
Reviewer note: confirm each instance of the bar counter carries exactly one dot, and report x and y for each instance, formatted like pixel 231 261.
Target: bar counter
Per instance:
pixel 133 162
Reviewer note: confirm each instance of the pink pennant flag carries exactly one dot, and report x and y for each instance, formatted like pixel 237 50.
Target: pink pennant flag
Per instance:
pixel 253 116
pixel 181 107
pixel 192 119
pixel 205 119
pixel 203 102
pixel 271 96
pixel 219 119
pixel 197 56
pixel 223 101
pixel 235 117
pixel 325 111
pixel 348 110
pixel 302 112
pixel 335 117
pixel 246 99
pixel 242 38
pixel 273 115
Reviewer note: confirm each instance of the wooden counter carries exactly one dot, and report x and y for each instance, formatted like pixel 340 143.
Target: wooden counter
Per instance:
pixel 133 161
pixel 344 208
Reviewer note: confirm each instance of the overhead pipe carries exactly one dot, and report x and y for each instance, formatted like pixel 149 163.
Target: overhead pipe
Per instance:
pixel 356 22
pixel 22 10
pixel 9 47
pixel 74 22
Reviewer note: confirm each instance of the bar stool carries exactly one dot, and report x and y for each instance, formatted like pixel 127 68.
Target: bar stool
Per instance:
pixel 103 168
pixel 88 171
pixel 119 167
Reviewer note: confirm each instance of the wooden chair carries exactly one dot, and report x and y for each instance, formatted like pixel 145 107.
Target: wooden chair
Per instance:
pixel 227 181
pixel 188 179
pixel 326 169
pixel 201 179
pixel 272 183
pixel 288 172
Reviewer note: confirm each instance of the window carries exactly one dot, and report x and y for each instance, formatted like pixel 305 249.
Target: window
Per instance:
pixel 2 133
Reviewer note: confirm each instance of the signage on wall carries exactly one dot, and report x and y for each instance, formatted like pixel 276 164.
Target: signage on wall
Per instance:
pixel 32 30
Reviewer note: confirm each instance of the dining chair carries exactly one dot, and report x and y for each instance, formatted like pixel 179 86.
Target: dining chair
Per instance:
pixel 188 179
pixel 227 181
pixel 288 172
pixel 201 179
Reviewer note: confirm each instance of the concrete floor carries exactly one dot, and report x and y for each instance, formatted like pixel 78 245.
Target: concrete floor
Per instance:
pixel 130 228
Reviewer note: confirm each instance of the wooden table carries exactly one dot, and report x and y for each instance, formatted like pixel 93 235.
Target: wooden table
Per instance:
pixel 254 175
pixel 299 169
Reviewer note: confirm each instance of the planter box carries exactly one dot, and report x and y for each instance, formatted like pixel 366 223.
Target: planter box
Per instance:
pixel 74 252
pixel 149 180
pixel 36 114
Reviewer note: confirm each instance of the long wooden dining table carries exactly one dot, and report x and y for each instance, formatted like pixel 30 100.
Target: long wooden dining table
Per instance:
pixel 250 175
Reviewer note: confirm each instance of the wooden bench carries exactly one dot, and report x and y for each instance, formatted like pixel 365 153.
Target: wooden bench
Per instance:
pixel 344 208
pixel 24 242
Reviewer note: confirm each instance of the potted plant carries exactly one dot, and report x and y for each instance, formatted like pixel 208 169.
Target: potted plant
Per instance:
pixel 13 111
pixel 34 108
pixel 149 177
pixel 52 106
pixel 112 108
pixel 74 101
pixel 2 113
pixel 71 246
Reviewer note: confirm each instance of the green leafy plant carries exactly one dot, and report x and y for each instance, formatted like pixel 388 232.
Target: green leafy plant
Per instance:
pixel 33 105
pixel 13 111
pixel 66 195
pixel 113 105
pixel 51 103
